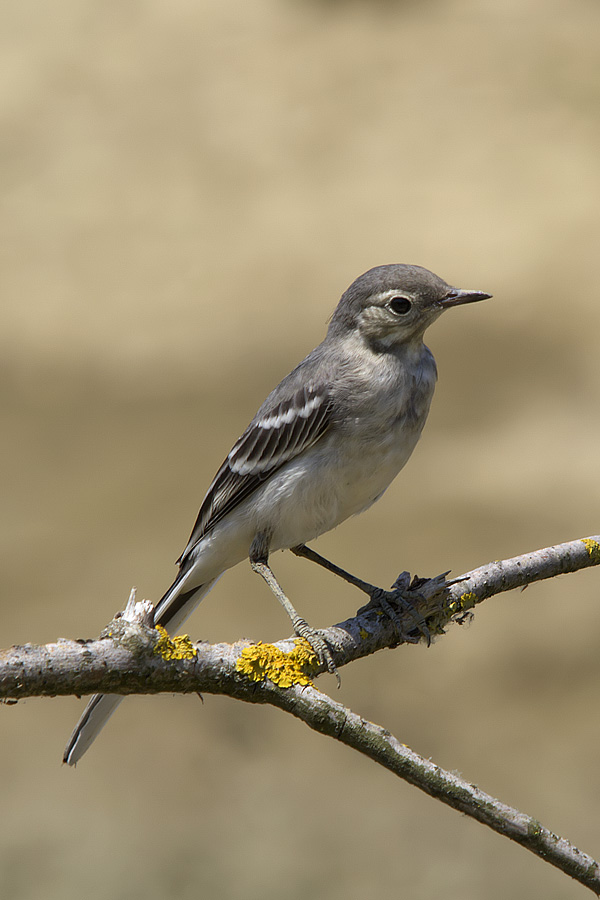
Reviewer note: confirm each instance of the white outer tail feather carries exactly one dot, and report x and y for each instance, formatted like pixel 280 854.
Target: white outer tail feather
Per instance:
pixel 102 706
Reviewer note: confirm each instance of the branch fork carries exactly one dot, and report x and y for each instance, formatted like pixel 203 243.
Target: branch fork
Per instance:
pixel 132 656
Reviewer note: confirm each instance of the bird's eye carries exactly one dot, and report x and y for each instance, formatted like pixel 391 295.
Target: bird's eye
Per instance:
pixel 400 305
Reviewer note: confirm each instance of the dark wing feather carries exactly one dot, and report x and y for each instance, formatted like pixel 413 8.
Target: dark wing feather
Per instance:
pixel 275 436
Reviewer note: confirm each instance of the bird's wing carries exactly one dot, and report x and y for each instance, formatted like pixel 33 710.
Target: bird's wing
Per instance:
pixel 279 432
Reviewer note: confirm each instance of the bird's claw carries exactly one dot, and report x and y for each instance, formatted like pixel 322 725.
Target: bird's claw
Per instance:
pixel 406 594
pixel 319 647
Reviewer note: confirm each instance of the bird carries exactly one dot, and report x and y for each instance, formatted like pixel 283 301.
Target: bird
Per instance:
pixel 324 446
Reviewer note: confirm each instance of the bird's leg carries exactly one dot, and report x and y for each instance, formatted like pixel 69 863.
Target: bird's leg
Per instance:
pixel 308 553
pixel 379 597
pixel 260 564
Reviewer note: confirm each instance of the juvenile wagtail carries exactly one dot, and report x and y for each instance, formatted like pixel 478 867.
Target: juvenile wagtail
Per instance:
pixel 325 445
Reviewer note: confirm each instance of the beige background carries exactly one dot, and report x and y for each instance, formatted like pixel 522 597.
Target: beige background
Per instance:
pixel 187 188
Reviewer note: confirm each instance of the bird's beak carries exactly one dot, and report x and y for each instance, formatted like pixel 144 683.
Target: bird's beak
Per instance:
pixel 456 297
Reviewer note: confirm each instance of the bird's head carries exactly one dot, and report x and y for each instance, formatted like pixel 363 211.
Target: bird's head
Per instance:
pixel 393 305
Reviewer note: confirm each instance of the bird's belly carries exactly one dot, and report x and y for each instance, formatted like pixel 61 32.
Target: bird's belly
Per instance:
pixel 322 488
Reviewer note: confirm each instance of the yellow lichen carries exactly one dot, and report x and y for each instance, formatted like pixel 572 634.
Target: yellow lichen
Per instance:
pixel 262 661
pixel 468 600
pixel 363 633
pixel 179 647
pixel 592 547
pixel 465 601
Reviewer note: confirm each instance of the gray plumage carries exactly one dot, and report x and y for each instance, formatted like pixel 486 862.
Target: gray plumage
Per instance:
pixel 324 445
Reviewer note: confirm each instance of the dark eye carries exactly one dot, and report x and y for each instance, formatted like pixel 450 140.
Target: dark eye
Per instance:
pixel 400 305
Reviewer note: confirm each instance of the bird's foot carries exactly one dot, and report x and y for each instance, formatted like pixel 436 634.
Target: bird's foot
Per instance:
pixel 405 597
pixel 318 645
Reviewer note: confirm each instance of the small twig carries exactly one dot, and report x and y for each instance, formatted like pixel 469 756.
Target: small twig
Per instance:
pixel 324 715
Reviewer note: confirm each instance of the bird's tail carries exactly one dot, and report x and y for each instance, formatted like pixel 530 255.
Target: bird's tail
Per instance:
pixel 172 610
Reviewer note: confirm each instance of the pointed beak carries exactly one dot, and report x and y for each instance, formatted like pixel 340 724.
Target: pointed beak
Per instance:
pixel 456 297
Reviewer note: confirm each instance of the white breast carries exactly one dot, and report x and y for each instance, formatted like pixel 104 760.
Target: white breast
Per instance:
pixel 346 471
pixel 351 467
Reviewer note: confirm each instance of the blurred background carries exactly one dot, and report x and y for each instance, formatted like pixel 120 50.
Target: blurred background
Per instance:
pixel 187 189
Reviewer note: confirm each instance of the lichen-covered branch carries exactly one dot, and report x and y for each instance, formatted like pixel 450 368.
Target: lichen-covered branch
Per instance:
pixel 131 656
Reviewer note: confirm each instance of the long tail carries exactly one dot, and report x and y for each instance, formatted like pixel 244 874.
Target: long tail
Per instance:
pixel 174 608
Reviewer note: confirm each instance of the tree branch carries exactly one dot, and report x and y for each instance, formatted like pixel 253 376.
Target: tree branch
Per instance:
pixel 131 656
